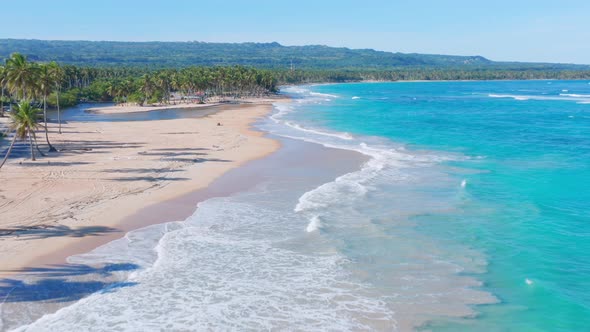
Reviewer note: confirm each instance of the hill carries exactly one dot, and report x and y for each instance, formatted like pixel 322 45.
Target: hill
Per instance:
pixel 262 55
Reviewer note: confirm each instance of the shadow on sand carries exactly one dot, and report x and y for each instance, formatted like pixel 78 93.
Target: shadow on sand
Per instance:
pixel 50 284
pixel 44 231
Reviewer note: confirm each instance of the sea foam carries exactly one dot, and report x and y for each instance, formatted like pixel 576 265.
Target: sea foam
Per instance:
pixel 225 267
pixel 314 224
pixel 560 97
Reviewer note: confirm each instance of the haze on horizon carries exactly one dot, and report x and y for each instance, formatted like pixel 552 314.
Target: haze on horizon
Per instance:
pixel 529 31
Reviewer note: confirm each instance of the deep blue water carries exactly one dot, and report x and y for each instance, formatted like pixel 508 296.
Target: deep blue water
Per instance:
pixel 522 149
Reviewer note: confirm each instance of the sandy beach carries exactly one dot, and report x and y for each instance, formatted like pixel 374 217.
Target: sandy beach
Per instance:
pixel 76 199
pixel 211 102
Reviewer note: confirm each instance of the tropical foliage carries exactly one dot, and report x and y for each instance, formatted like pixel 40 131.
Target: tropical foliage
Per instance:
pixel 143 86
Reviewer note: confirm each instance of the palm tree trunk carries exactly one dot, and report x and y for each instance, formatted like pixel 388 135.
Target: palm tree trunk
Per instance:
pixel 9 151
pixel 2 104
pixel 31 144
pixel 37 145
pixel 58 111
pixel 51 148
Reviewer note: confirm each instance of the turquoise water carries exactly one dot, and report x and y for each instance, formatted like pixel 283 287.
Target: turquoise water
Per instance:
pixel 522 151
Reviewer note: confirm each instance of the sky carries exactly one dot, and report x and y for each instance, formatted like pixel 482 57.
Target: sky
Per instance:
pixel 501 30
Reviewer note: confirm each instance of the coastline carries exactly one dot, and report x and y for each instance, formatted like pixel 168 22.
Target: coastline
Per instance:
pixel 85 197
pixel 321 165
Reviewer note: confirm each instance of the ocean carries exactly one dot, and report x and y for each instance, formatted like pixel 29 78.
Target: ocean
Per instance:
pixel 509 181
pixel 443 206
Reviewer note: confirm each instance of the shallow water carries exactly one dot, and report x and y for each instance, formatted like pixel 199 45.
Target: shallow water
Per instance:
pixel 80 113
pixel 513 187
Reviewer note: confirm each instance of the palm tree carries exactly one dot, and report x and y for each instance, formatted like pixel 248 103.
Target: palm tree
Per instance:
pixel 146 87
pixel 114 90
pixel 20 75
pixel 57 74
pixel 127 87
pixel 23 123
pixel 45 85
pixel 162 80
pixel 2 78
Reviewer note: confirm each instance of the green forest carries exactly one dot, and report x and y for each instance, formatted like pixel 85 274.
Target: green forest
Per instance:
pixel 260 55
pixel 71 84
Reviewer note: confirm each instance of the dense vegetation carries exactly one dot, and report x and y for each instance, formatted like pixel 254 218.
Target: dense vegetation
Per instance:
pixel 259 55
pixel 144 86
pixel 182 54
pixel 334 76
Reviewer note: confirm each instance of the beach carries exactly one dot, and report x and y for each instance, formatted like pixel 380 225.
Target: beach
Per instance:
pixel 77 199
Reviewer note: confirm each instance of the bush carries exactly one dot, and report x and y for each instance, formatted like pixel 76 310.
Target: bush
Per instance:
pixel 136 98
pixel 157 97
pixel 66 99
pixel 97 91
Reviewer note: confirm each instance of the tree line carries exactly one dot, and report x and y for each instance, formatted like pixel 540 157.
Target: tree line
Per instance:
pixel 145 86
pixel 424 73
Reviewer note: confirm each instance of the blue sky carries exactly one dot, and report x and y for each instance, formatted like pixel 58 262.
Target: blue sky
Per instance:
pixel 552 31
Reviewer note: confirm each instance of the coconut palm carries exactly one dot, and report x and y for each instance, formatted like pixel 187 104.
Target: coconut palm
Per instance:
pixel 127 87
pixel 147 87
pixel 20 75
pixel 23 123
pixel 114 90
pixel 57 75
pixel 44 84
pixel 162 81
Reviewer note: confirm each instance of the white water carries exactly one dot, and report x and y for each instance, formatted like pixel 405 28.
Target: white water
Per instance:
pixel 561 97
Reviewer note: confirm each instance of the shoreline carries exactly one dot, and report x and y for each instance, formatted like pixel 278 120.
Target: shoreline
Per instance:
pixel 122 109
pixel 285 162
pixel 102 219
